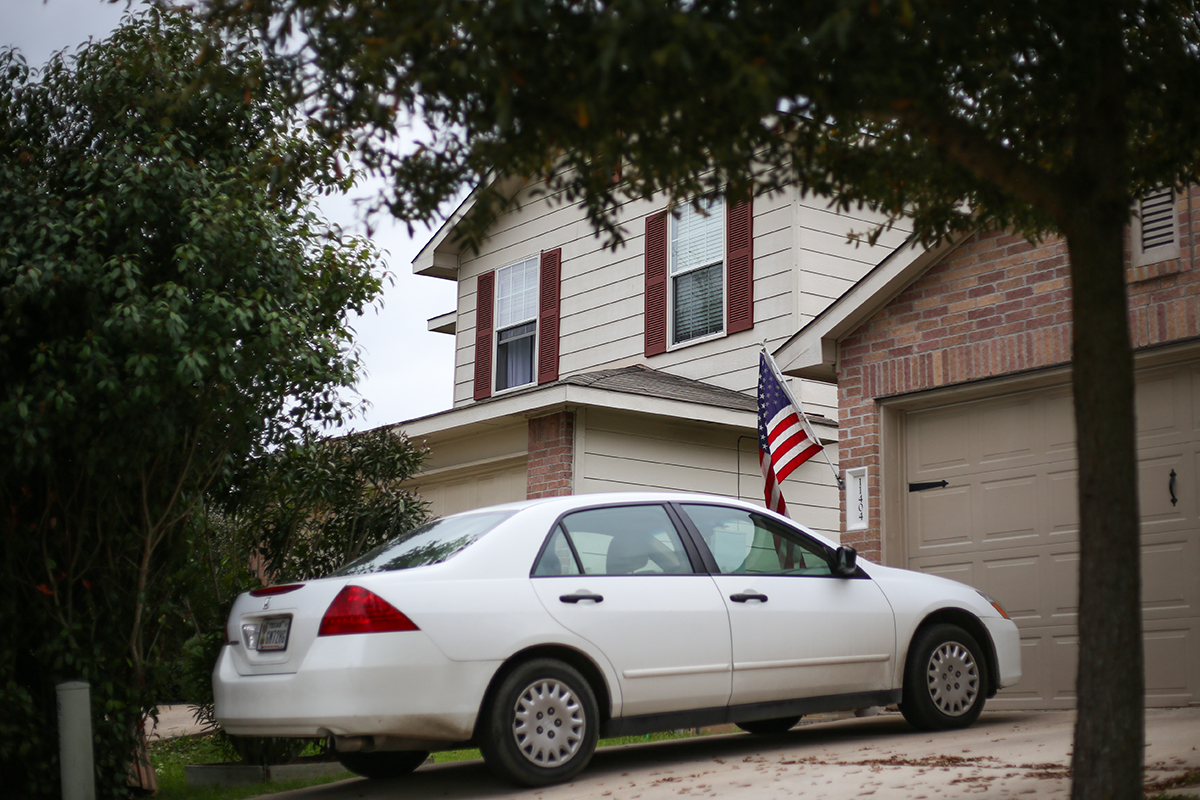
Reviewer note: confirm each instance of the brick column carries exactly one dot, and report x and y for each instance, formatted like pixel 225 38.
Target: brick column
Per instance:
pixel 550 471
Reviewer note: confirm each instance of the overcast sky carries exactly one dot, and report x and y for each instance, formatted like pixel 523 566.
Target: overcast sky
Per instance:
pixel 410 371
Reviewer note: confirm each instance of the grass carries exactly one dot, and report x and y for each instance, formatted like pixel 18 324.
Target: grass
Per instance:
pixel 170 756
pixel 1189 778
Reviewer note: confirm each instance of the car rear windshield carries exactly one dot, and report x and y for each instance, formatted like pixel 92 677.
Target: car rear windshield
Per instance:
pixel 432 543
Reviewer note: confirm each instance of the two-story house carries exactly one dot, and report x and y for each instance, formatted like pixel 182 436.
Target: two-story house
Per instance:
pixel 581 368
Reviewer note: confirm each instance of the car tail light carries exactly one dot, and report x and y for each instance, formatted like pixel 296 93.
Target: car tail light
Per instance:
pixel 357 610
pixel 271 591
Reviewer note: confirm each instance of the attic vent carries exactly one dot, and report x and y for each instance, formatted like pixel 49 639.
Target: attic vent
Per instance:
pixel 1158 221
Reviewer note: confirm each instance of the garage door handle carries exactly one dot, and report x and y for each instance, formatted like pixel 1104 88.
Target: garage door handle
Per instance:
pixel 575 598
pixel 920 487
pixel 741 598
pixel 1171 488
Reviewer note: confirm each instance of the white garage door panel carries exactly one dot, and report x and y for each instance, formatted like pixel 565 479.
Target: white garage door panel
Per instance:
pixel 1027 693
pixel 1009 577
pixel 1164 412
pixel 1048 662
pixel 1061 505
pixel 949 451
pixel 942 513
pixel 1172 651
pixel 1008 509
pixel 1007 523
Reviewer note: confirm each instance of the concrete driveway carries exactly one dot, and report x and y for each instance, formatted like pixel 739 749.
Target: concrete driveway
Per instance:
pixel 1004 755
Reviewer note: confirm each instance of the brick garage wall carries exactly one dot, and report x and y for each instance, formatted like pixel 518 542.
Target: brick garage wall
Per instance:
pixel 994 306
pixel 551 455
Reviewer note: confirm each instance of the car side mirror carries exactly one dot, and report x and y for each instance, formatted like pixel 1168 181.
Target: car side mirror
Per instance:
pixel 845 561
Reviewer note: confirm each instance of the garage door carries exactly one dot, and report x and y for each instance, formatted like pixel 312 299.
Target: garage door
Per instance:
pixel 452 493
pixel 1005 521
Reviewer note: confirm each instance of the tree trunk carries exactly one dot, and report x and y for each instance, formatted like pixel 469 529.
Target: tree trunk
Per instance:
pixel 1109 729
pixel 1108 756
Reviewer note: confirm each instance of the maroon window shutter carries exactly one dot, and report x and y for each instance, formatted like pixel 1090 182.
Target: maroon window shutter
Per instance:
pixel 549 278
pixel 484 302
pixel 739 257
pixel 656 284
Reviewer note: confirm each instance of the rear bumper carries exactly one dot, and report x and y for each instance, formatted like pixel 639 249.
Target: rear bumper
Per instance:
pixel 390 684
pixel 1007 640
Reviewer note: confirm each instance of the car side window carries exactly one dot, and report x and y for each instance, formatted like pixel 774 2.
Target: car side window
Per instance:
pixel 746 543
pixel 621 540
pixel 557 558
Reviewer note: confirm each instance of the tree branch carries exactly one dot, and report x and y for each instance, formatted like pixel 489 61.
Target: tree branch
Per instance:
pixel 963 144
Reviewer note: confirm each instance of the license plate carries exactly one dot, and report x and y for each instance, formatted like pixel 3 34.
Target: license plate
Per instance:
pixel 274 635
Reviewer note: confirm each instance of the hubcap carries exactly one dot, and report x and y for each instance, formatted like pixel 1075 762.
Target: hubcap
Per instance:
pixel 953 679
pixel 548 723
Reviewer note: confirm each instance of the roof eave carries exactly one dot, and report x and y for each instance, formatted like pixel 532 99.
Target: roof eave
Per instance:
pixel 439 257
pixel 500 411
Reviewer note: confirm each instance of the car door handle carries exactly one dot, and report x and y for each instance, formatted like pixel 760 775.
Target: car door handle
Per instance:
pixel 575 598
pixel 743 597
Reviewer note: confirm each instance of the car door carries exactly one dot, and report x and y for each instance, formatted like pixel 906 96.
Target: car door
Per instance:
pixel 621 577
pixel 798 629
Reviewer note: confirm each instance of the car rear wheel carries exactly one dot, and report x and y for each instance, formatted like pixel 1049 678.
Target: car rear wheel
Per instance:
pixel 383 763
pixel 542 724
pixel 945 681
pixel 766 727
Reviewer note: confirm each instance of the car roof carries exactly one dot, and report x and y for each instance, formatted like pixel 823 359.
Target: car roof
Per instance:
pixel 566 502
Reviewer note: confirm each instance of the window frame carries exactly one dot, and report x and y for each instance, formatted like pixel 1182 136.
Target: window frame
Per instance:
pixel 532 286
pixel 697 559
pixel 804 543
pixel 721 220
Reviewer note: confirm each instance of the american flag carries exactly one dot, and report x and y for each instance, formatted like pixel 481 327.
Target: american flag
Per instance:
pixel 783 440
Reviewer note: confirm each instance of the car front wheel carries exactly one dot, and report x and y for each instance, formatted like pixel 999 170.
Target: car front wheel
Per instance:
pixel 384 763
pixel 542 724
pixel 945 680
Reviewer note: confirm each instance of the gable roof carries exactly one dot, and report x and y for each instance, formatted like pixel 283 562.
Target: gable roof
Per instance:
pixel 812 351
pixel 643 380
pixel 439 257
pixel 636 388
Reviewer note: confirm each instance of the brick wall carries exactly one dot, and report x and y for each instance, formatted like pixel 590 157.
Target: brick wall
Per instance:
pixel 551 455
pixel 995 305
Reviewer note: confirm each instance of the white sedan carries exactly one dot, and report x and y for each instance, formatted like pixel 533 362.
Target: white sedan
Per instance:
pixel 532 629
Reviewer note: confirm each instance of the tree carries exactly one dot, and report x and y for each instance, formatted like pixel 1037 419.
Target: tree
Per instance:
pixel 170 306
pixel 1039 117
pixel 313 507
pixel 297 512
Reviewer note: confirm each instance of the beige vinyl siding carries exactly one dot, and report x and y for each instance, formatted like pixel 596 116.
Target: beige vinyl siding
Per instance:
pixel 496 441
pixel 621 451
pixel 828 263
pixel 802 262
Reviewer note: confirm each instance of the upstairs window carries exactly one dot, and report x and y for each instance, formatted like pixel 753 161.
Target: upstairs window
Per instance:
pixel 516 323
pixel 697 271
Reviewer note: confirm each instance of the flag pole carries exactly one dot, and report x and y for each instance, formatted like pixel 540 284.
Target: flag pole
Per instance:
pixel 800 413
